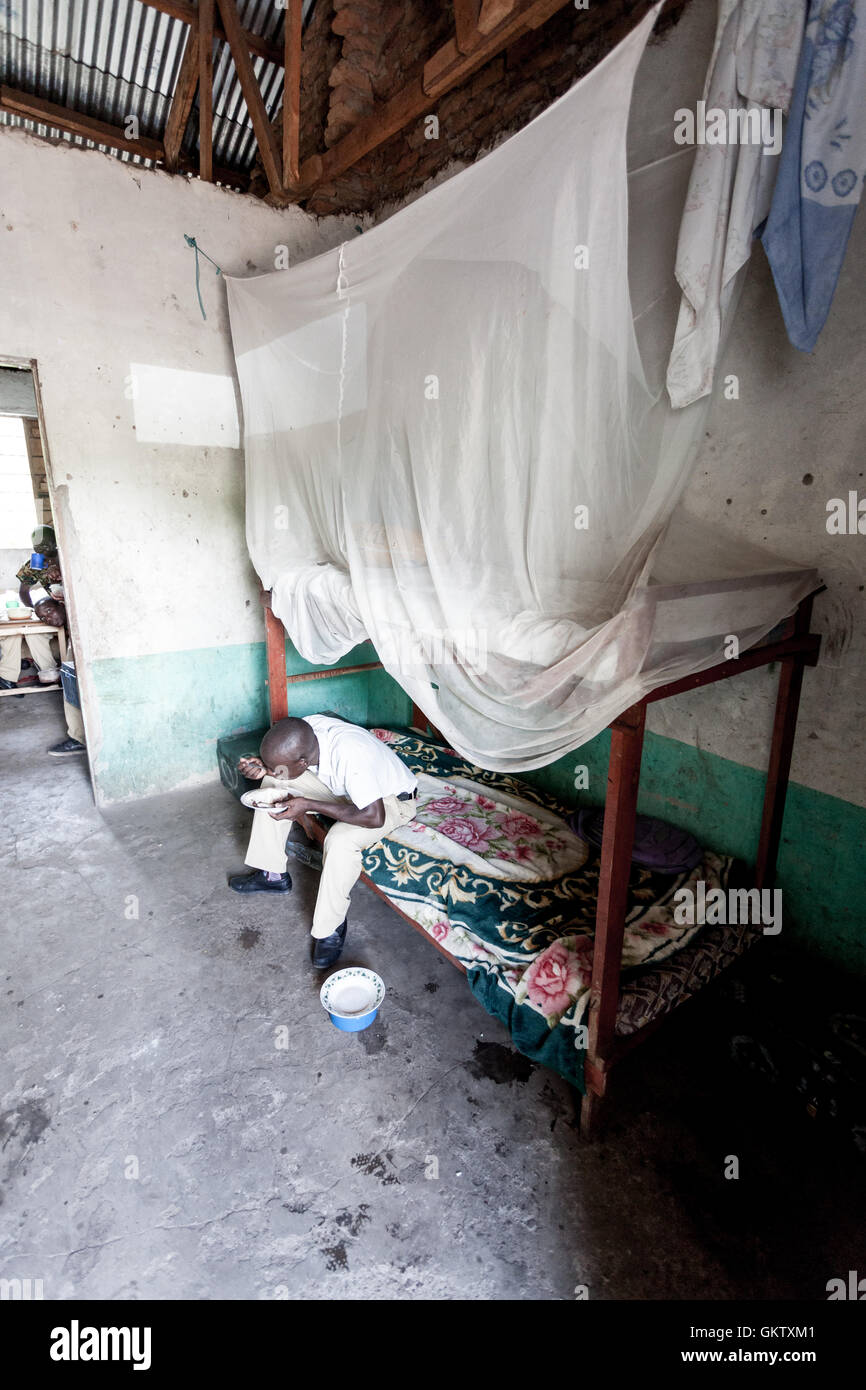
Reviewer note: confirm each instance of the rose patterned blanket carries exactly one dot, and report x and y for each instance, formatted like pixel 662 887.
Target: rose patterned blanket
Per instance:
pixel 490 869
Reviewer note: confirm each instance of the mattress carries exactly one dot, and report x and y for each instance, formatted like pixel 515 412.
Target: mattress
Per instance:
pixel 491 870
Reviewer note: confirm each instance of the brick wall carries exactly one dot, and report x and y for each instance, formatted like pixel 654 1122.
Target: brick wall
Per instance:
pixel 322 50
pixel 380 44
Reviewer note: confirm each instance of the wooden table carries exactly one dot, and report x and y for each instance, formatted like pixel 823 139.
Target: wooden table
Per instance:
pixel 21 629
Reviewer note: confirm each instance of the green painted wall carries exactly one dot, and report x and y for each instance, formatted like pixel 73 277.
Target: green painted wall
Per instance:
pixel 720 802
pixel 161 715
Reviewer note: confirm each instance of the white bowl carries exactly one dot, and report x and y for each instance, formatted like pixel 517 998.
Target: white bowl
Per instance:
pixel 265 798
pixel 352 997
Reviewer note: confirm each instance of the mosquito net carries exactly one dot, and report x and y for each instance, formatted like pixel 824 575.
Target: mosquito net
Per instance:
pixel 458 445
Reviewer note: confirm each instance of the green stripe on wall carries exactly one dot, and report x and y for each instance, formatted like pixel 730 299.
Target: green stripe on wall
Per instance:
pixel 720 802
pixel 161 715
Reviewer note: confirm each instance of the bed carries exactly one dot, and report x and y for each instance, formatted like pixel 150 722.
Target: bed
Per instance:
pixel 493 873
pixel 575 950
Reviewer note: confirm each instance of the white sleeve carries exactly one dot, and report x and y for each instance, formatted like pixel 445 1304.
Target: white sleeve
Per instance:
pixel 362 786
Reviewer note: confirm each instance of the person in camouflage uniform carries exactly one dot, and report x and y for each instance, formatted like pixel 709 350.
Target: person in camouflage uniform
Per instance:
pixel 44 543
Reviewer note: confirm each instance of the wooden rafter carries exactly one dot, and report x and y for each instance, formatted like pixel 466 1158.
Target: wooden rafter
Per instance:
pixel 466 23
pixel 180 9
pixel 181 102
pixel 493 13
pixel 292 93
pixel 48 113
pixel 252 95
pixel 205 89
pixel 449 66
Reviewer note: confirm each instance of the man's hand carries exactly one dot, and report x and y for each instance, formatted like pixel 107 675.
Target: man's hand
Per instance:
pixel 293 809
pixel 253 768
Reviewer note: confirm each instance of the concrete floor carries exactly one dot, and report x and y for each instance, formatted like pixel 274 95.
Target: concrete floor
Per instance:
pixel 156 1143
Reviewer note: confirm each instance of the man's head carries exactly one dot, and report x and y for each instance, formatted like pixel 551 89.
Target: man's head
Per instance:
pixel 51 611
pixel 44 542
pixel 289 748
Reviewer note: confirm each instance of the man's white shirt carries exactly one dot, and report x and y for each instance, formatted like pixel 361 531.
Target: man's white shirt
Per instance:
pixel 355 764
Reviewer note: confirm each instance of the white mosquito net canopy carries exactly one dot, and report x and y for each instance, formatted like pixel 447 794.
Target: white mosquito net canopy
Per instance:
pixel 458 445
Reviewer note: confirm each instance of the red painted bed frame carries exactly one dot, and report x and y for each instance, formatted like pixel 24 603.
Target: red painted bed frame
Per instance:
pixel 795 649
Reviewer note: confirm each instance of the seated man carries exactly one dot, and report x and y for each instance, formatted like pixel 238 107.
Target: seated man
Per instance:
pixel 53 612
pixel 39 646
pixel 340 771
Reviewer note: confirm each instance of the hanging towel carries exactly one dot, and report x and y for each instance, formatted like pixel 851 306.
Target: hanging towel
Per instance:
pixel 822 168
pixel 752 69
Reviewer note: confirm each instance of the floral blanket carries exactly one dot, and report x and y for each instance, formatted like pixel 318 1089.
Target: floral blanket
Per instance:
pixel 490 869
pixel 490 830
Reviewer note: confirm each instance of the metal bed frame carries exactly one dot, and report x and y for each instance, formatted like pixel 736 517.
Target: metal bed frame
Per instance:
pixel 794 646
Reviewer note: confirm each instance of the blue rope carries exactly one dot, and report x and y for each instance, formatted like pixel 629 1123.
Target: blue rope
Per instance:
pixel 191 241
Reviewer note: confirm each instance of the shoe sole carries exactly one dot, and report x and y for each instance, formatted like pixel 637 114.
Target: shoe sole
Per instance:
pixel 247 891
pixel 73 753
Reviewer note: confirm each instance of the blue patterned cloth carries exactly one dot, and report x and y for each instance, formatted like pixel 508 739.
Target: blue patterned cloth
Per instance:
pixel 823 163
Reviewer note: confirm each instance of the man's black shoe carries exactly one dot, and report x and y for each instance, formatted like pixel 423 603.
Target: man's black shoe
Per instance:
pixel 10 685
pixel 257 881
pixel 328 948
pixel 67 748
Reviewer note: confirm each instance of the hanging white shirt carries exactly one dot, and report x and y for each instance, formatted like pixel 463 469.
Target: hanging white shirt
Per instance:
pixel 754 65
pixel 355 764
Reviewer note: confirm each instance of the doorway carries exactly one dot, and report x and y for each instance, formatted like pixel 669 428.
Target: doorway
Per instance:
pixel 42 714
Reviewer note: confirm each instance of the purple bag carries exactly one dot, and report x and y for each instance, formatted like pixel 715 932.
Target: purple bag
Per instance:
pixel 658 845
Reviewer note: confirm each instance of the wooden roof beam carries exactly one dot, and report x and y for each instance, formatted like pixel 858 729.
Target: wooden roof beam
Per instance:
pixel 181 9
pixel 449 66
pixel 466 23
pixel 205 89
pixel 32 108
pixel 62 118
pixel 252 96
pixel 181 102
pixel 292 92
pixel 493 13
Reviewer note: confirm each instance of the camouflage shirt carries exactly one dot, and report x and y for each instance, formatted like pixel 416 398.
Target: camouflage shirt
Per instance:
pixel 49 575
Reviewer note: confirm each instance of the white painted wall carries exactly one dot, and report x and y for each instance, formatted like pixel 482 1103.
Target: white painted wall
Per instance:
pixel 97 277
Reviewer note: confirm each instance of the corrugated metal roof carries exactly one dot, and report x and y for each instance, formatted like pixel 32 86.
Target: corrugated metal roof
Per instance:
pixel 112 59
